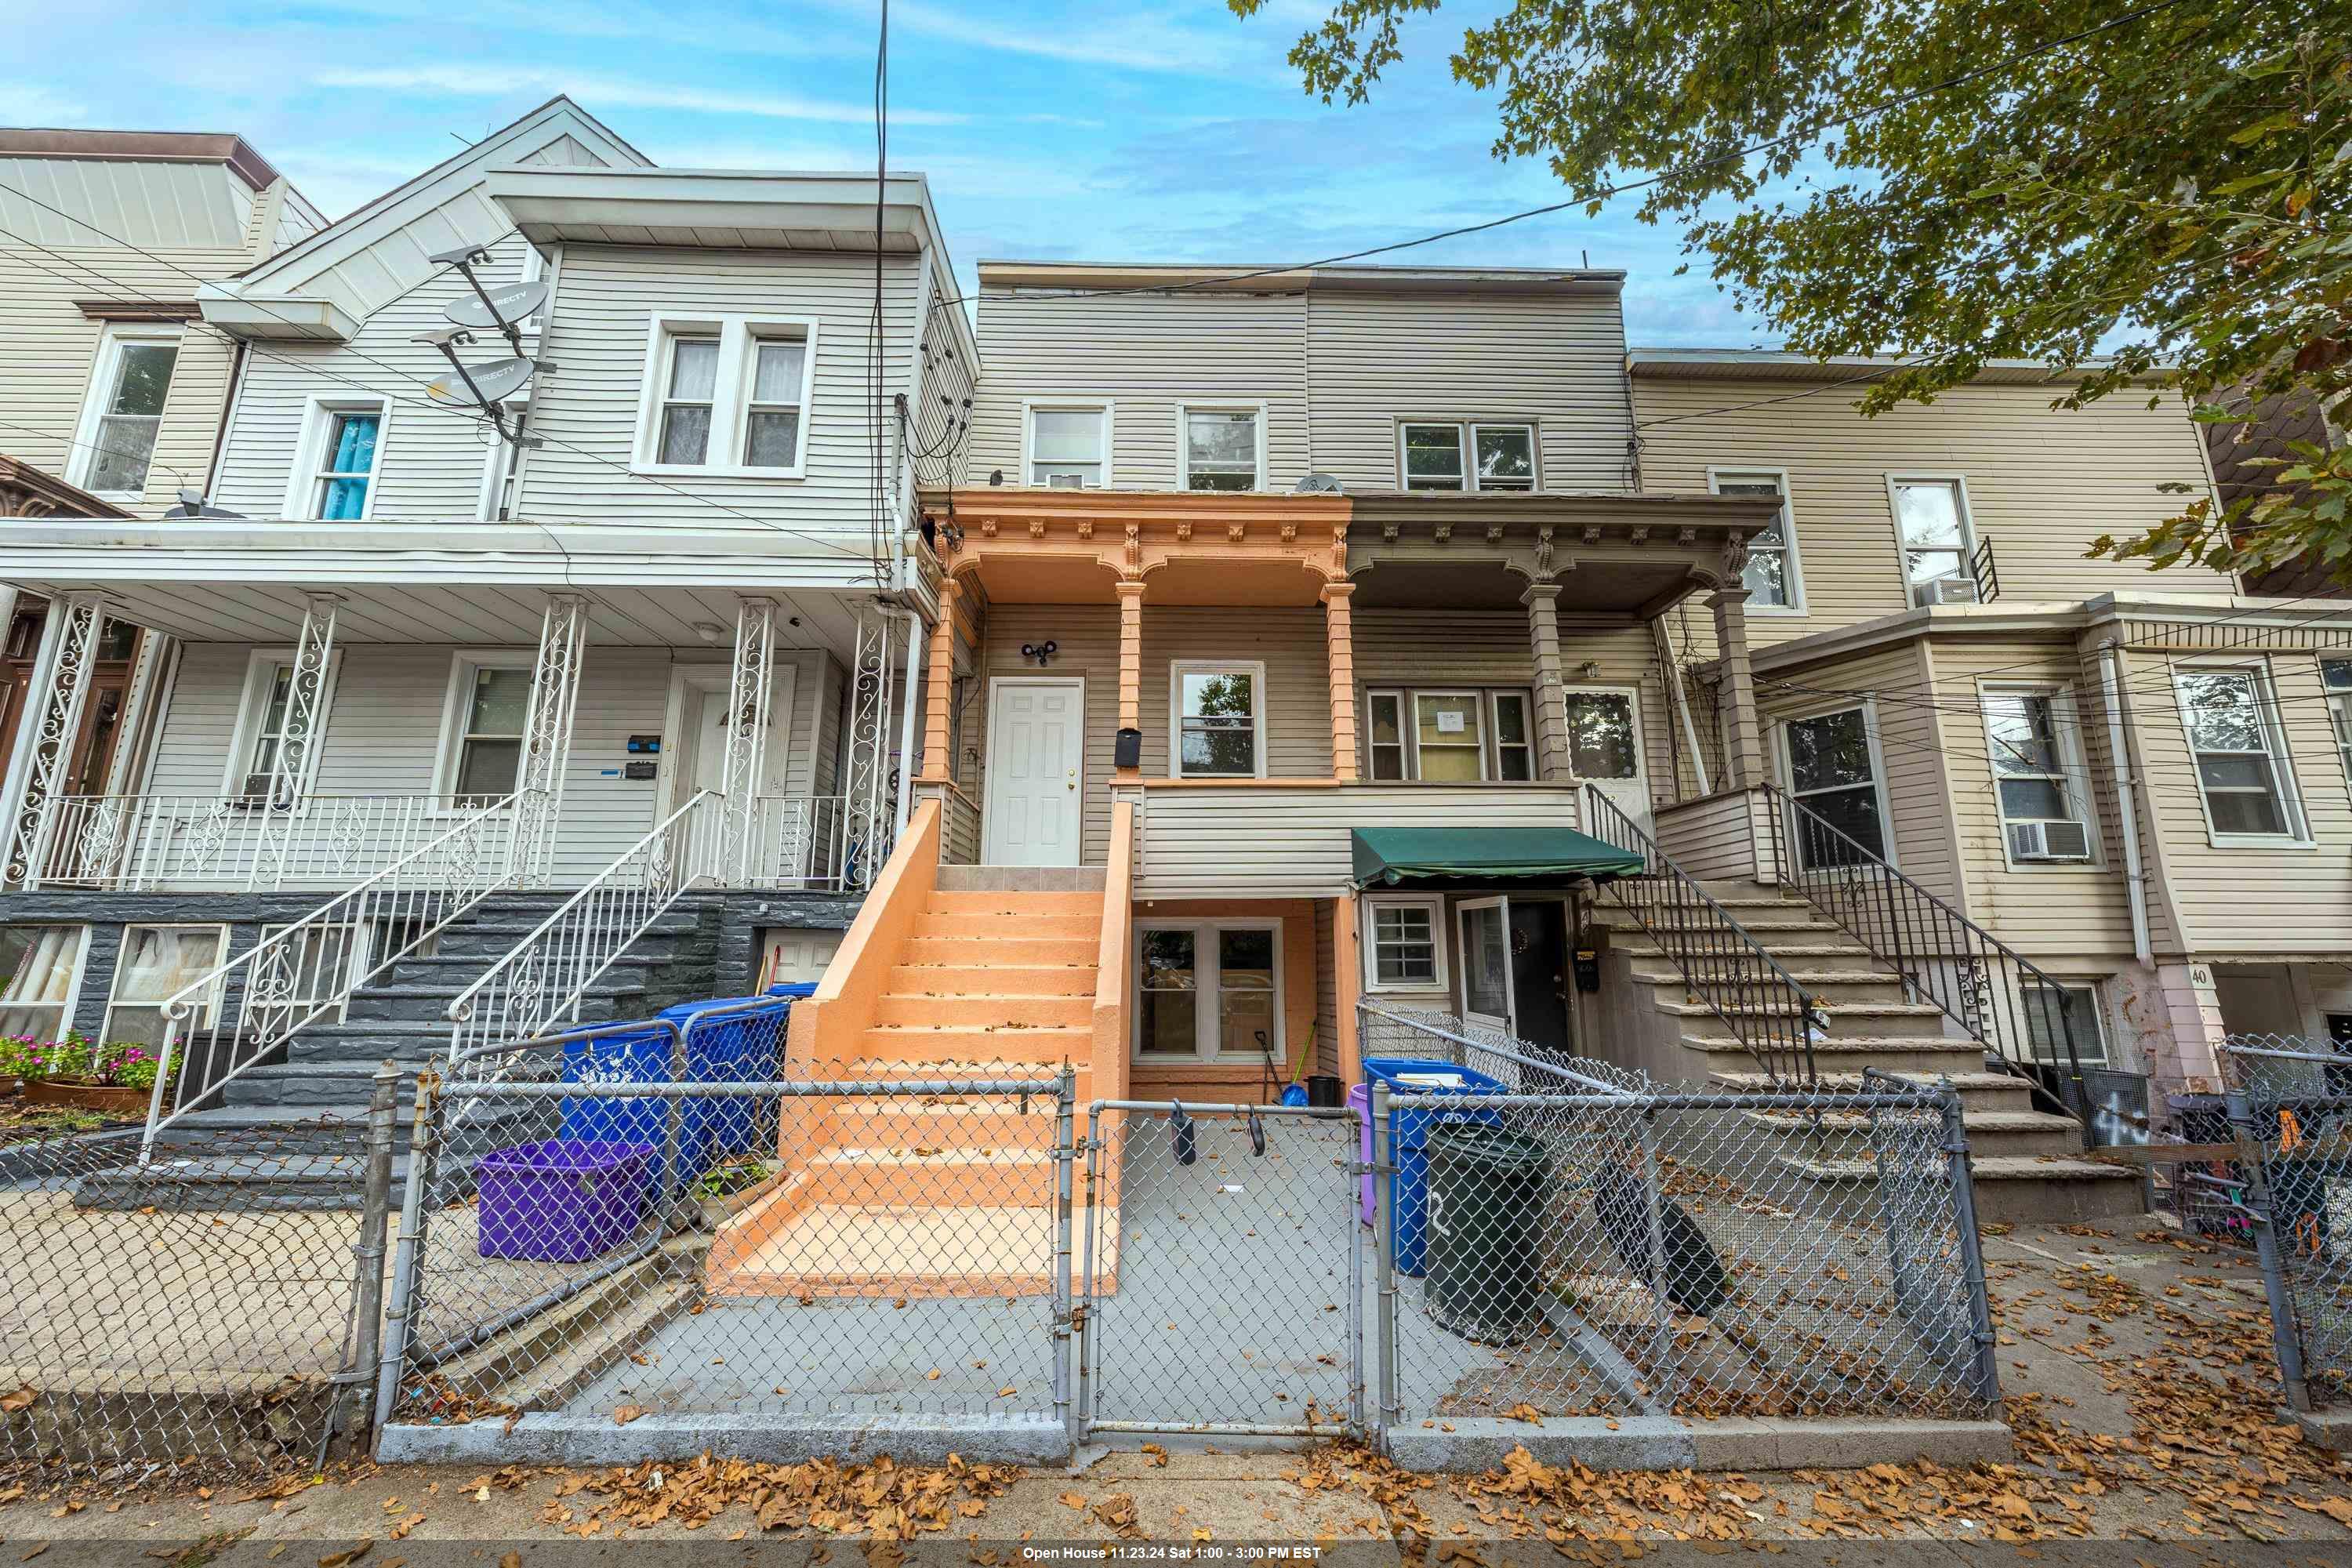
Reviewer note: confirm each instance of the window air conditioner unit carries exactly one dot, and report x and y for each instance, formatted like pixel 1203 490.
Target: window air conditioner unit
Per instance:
pixel 1066 481
pixel 2049 841
pixel 1948 591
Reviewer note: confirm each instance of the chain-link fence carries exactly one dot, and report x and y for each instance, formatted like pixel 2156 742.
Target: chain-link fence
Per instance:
pixel 652 1220
pixel 1608 1248
pixel 218 1304
pixel 2290 1116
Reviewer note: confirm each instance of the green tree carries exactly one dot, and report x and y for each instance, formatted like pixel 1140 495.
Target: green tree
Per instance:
pixel 2143 191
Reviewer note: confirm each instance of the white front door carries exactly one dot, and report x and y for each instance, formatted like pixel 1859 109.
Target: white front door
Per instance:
pixel 1485 925
pixel 1604 746
pixel 1036 770
pixel 697 759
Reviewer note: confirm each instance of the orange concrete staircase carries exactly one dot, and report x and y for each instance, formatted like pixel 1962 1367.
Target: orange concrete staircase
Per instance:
pixel 945 1193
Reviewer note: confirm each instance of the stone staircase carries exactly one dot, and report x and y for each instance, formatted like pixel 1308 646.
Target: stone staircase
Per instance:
pixel 326 1069
pixel 945 1195
pixel 2027 1162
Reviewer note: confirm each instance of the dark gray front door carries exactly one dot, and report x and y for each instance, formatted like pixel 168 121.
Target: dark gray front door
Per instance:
pixel 1540 971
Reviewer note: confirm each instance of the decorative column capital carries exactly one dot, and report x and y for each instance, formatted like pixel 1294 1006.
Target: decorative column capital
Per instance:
pixel 1129 589
pixel 1731 597
pixel 1545 592
pixel 1335 591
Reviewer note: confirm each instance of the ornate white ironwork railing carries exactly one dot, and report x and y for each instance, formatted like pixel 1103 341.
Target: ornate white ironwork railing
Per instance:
pixel 253 843
pixel 541 982
pixel 812 843
pixel 300 974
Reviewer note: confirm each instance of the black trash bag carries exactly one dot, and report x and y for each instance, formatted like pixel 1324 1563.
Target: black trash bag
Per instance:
pixel 1695 1281
pixel 1182 1132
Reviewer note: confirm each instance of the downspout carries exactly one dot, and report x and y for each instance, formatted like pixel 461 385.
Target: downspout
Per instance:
pixel 1681 700
pixel 908 721
pixel 2127 796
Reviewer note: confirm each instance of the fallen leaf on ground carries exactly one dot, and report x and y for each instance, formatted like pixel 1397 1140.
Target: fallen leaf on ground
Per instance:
pixel 627 1414
pixel 343 1559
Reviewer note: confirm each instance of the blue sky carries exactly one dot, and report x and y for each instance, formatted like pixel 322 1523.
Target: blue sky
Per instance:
pixel 1113 130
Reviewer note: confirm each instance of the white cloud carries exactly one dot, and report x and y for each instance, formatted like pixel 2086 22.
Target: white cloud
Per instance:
pixel 499 81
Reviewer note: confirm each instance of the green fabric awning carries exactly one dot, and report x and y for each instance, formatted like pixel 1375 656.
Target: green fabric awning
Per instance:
pixel 1387 856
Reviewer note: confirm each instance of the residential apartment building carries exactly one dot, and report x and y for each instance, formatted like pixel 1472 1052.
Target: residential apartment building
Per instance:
pixel 421 674
pixel 2137 780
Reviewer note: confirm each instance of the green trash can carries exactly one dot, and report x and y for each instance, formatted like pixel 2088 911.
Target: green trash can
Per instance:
pixel 1489 1189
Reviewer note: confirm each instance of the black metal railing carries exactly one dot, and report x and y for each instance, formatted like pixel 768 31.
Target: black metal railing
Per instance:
pixel 1945 959
pixel 1727 970
pixel 1987 575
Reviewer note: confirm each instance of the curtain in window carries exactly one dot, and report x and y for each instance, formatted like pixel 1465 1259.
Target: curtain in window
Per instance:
pixel 354 454
pixel 34 1002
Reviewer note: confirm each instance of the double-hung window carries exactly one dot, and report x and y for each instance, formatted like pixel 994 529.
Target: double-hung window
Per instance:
pixel 38 968
pixel 1834 775
pixel 1209 990
pixel 1931 520
pixel 1223 448
pixel 2336 675
pixel 157 964
pixel 1466 455
pixel 1404 950
pixel 264 712
pixel 489 704
pixel 277 691
pixel 2056 1013
pixel 727 397
pixel 1457 736
pixel 338 460
pixel 125 410
pixel 1220 719
pixel 2040 785
pixel 1770 577
pixel 1069 446
pixel 2240 754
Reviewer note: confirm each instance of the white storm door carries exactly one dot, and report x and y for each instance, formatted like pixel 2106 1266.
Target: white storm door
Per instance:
pixel 1604 747
pixel 1484 926
pixel 1036 770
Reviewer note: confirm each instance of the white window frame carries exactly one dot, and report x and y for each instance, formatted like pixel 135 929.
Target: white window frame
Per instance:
pixel 2099 1054
pixel 212 999
pixel 1792 564
pixel 1783 766
pixel 1369 941
pixel 463 665
pixel 73 986
pixel 1180 668
pixel 305 491
pixel 2073 776
pixel 1465 438
pixel 1958 484
pixel 1490 755
pixel 731 396
pixel 1208 989
pixel 1403 741
pixel 2297 835
pixel 1495 743
pixel 2340 713
pixel 1477 697
pixel 1508 1020
pixel 1033 406
pixel 1185 411
pixel 105 366
pixel 253 711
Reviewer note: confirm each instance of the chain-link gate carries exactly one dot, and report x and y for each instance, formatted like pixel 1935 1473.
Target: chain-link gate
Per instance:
pixel 1223 1283
pixel 2290 1115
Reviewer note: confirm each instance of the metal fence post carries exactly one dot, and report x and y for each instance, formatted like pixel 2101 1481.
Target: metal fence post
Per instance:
pixel 408 1250
pixel 1082 1407
pixel 358 1372
pixel 1984 1366
pixel 2286 1335
pixel 1661 1337
pixel 1352 1217
pixel 1384 1163
pixel 1065 1154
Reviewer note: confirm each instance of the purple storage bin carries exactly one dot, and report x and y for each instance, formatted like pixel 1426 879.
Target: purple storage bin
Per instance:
pixel 564 1200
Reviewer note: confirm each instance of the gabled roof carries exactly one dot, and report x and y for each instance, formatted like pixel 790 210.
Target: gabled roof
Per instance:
pixel 142 147
pixel 335 278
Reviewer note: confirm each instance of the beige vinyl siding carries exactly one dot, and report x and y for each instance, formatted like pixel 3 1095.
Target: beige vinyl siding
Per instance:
pixel 1146 354
pixel 48 352
pixel 606 298
pixel 1727 835
pixel 2042 483
pixel 2037 909
pixel 430 460
pixel 2251 902
pixel 1271 842
pixel 1913 790
pixel 385 729
pixel 1554 362
pixel 1297 701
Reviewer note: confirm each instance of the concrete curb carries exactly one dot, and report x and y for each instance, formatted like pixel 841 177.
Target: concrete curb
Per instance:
pixel 2330 1429
pixel 1671 1443
pixel 779 1440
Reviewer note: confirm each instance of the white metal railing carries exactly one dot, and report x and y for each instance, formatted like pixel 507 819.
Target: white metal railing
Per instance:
pixel 298 975
pixel 135 843
pixel 816 843
pixel 540 982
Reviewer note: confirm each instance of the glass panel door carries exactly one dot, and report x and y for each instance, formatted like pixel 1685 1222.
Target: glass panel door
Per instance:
pixel 1486 928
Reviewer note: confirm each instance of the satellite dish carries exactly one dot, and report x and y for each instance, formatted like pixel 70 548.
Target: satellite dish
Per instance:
pixel 492 383
pixel 510 302
pixel 1316 485
pixel 193 504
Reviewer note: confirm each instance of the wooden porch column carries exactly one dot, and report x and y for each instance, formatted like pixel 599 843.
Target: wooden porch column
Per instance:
pixel 1743 737
pixel 1347 985
pixel 938 691
pixel 1130 663
pixel 1339 656
pixel 1552 762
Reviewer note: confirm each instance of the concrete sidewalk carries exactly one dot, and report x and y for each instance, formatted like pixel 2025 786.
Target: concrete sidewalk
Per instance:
pixel 2136 1363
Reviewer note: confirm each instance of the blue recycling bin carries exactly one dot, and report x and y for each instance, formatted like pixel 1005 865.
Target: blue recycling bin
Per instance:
pixel 637 1056
pixel 1409 1139
pixel 741 1047
pixel 794 989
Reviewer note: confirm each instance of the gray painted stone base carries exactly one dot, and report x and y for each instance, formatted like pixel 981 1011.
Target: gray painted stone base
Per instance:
pixel 778 1440
pixel 2325 1428
pixel 1670 1443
